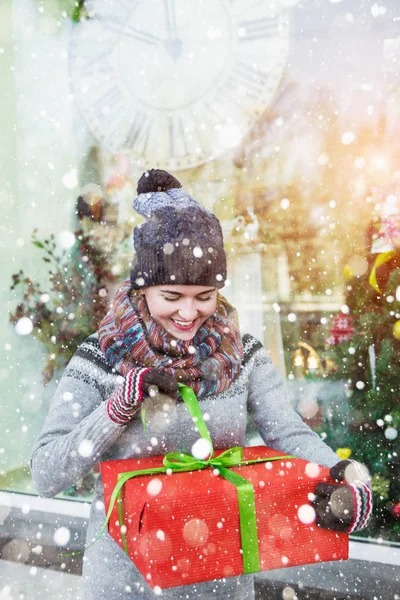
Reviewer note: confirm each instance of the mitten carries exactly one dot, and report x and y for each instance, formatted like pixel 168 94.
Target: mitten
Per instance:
pixel 346 507
pixel 138 383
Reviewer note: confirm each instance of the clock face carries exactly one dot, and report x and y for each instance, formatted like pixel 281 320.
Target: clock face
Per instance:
pixel 173 82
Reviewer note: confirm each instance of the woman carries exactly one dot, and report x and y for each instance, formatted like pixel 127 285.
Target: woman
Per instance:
pixel 168 323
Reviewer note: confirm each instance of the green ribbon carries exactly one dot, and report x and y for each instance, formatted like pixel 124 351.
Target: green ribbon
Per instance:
pixel 180 462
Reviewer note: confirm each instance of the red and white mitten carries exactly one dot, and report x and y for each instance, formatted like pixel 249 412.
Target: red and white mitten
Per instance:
pixel 125 402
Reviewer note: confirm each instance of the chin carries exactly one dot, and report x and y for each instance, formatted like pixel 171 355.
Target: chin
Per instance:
pixel 184 337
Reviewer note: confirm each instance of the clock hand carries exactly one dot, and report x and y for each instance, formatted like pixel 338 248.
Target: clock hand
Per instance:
pixel 174 45
pixel 142 36
pixel 169 7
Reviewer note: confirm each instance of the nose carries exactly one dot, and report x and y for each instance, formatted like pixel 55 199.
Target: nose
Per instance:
pixel 187 311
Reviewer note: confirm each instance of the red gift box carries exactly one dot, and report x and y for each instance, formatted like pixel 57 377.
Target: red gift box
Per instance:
pixel 183 528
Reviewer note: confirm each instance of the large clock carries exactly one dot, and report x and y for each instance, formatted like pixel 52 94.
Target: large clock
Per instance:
pixel 177 82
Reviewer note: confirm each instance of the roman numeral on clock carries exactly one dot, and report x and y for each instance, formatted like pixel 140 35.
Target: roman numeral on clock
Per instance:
pixel 245 76
pixel 96 64
pixel 111 8
pixel 257 29
pixel 109 101
pixel 179 145
pixel 138 134
pixel 129 5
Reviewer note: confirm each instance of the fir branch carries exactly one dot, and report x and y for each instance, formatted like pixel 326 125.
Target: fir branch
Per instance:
pixel 74 302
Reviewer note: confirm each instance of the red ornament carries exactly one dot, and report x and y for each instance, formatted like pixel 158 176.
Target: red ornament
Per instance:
pixel 396 511
pixel 341 330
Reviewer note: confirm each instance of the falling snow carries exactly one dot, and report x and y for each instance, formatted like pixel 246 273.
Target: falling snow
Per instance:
pixel 154 487
pixel 62 536
pixel 201 449
pixel 66 239
pixel 198 252
pixel 24 326
pixel 306 514
pixel 289 152
pixel 312 470
pixel 85 448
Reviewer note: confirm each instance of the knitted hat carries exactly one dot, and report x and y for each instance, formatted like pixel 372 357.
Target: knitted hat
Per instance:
pixel 180 242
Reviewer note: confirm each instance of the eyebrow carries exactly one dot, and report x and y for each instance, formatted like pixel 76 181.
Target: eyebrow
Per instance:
pixel 173 293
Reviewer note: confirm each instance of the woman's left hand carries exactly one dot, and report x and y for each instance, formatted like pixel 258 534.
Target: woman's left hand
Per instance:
pixel 346 507
pixel 157 380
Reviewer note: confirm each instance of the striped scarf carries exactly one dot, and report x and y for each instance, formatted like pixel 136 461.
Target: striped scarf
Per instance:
pixel 209 363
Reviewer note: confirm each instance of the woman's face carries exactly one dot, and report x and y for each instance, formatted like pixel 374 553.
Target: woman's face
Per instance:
pixel 181 309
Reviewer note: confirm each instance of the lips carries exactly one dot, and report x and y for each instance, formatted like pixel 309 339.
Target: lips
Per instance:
pixel 183 325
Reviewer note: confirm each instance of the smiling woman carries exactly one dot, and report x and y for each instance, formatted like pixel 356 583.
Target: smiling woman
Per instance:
pixel 167 325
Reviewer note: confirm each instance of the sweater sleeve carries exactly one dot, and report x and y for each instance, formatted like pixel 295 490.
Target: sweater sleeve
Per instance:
pixel 279 425
pixel 76 433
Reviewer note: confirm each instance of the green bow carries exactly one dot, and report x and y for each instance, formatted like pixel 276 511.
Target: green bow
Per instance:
pixel 178 461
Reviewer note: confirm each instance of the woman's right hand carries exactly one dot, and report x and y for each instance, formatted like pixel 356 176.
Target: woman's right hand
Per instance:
pixel 138 383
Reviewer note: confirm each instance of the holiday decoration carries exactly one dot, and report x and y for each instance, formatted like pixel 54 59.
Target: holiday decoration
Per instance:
pixel 90 203
pixel 204 540
pixel 257 503
pixel 380 261
pixel 386 238
pixel 380 486
pixel 372 364
pixel 368 364
pixel 66 311
pixel 343 453
pixel 341 330
pixel 396 330
pixel 396 511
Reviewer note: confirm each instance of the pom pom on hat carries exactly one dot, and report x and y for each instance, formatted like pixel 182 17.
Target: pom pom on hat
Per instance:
pixel 156 180
pixel 158 189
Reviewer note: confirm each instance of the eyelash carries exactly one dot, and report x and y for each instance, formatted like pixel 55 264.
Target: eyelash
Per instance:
pixel 176 299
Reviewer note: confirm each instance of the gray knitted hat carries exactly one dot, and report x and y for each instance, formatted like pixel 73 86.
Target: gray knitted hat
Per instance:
pixel 180 242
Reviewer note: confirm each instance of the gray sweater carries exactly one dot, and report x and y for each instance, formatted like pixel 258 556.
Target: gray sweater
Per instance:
pixel 78 432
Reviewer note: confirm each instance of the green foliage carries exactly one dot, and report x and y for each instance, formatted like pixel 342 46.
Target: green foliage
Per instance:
pixel 79 12
pixel 380 486
pixel 74 301
pixel 374 417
